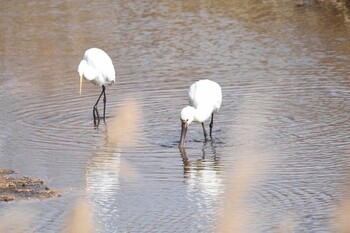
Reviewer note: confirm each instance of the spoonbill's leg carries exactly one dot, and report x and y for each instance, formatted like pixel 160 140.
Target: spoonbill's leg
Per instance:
pixel 205 133
pixel 211 124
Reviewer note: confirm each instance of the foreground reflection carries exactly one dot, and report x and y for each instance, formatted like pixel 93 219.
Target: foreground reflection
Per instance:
pixel 204 183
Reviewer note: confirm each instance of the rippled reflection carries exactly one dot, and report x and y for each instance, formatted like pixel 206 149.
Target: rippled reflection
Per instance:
pixel 102 173
pixel 204 180
pixel 102 180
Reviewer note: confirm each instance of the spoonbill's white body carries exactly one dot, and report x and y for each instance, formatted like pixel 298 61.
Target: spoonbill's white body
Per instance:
pixel 97 67
pixel 205 99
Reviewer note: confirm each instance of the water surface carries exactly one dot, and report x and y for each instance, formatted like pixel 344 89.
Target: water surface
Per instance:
pixel 284 75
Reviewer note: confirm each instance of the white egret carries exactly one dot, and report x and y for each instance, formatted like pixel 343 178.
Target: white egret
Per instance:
pixel 205 100
pixel 97 67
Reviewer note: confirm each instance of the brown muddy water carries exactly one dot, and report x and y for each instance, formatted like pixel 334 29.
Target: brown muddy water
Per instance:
pixel 284 71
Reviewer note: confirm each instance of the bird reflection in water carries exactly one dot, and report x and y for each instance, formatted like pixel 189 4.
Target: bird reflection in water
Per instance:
pixel 106 167
pixel 213 160
pixel 103 171
pixel 205 173
pixel 103 176
pixel 204 181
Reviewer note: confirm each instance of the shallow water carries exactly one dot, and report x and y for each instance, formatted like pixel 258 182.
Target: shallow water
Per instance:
pixel 286 104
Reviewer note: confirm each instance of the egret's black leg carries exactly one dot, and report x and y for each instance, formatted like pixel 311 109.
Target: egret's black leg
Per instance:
pixel 95 111
pixel 104 103
pixel 211 124
pixel 96 116
pixel 205 133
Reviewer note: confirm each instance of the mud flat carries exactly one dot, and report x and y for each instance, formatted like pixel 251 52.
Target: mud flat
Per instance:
pixel 13 187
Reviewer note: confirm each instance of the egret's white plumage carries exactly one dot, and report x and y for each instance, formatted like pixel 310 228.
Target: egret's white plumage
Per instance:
pixel 205 99
pixel 97 67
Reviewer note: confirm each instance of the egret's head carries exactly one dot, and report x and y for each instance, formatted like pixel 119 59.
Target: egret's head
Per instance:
pixel 187 116
pixel 81 69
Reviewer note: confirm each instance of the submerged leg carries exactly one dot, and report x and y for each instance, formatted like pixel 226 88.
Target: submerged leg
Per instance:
pixel 95 111
pixel 211 124
pixel 104 103
pixel 96 116
pixel 204 132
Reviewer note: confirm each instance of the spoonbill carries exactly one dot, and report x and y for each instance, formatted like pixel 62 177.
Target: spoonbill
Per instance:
pixel 97 67
pixel 205 99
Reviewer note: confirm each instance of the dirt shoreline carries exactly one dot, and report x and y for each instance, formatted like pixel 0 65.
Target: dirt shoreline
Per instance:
pixel 14 188
pixel 341 7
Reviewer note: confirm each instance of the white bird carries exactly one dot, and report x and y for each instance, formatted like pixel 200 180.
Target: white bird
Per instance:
pixel 97 67
pixel 205 99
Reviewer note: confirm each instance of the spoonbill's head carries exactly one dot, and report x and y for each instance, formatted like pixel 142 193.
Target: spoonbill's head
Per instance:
pixel 81 68
pixel 187 116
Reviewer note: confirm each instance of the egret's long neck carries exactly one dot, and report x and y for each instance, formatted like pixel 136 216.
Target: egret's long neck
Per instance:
pixel 202 113
pixel 88 72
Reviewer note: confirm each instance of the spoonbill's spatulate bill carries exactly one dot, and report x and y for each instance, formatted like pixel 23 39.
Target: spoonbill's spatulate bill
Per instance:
pixel 205 100
pixel 97 67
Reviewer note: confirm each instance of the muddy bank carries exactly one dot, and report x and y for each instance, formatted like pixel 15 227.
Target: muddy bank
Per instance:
pixel 339 4
pixel 339 7
pixel 14 188
pixel 324 3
